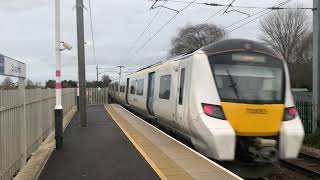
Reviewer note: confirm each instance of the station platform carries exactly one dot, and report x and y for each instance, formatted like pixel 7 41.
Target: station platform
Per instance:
pixel 119 145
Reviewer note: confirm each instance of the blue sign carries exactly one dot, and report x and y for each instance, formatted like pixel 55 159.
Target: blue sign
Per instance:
pixel 1 64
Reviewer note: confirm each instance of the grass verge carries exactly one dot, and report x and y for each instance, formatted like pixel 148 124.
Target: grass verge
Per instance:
pixel 313 140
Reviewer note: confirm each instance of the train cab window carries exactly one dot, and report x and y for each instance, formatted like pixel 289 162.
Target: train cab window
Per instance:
pixel 140 85
pixel 247 77
pixel 181 86
pixel 165 86
pixel 133 87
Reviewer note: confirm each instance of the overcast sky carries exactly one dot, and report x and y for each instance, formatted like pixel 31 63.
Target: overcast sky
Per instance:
pixel 27 32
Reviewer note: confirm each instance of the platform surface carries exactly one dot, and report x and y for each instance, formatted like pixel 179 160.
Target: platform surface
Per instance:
pixel 98 152
pixel 168 157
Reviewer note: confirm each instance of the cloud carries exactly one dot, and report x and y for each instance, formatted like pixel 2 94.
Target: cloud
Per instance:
pixel 13 6
pixel 27 32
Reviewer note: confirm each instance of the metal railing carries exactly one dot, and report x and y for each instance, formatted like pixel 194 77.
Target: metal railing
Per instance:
pixel 303 103
pixel 304 109
pixel 37 110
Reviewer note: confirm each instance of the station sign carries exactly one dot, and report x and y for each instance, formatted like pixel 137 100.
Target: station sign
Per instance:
pixel 11 67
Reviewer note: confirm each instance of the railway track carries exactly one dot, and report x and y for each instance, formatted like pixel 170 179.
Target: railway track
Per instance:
pixel 305 164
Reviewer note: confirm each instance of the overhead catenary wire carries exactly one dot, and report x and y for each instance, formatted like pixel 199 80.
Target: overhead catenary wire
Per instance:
pixel 268 11
pixel 255 14
pixel 275 7
pixel 147 27
pixel 243 19
pixel 162 27
pixel 92 35
pixel 213 15
pixel 237 6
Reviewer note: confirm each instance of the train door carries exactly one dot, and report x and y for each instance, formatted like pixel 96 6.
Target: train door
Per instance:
pixel 181 100
pixel 127 90
pixel 150 98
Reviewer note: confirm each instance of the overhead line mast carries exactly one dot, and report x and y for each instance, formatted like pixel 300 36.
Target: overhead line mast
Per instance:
pixel 316 67
pixel 81 63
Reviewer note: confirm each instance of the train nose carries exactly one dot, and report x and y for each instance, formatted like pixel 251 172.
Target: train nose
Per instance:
pixel 254 119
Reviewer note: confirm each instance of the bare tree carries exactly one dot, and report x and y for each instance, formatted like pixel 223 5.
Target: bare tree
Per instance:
pixel 33 85
pixel 286 31
pixel 193 37
pixel 304 49
pixel 7 83
pixel 29 84
pixel 38 84
pixel 106 80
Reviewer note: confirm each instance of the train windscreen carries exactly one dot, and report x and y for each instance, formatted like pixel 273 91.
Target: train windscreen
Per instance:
pixel 248 77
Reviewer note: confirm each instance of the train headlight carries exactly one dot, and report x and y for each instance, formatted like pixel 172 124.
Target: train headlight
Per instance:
pixel 290 113
pixel 213 111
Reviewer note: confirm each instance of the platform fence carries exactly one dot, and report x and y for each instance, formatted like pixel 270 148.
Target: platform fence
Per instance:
pixel 97 96
pixel 304 109
pixel 37 110
pixel 303 103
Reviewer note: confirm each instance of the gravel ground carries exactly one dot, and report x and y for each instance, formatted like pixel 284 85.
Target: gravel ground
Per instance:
pixel 282 173
pixel 312 151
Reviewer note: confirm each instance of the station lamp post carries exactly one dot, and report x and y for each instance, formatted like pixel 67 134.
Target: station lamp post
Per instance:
pixel 58 116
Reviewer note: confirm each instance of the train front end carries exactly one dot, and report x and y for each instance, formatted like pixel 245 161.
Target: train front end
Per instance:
pixel 255 110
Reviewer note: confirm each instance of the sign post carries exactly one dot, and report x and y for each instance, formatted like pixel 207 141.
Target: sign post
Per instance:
pixel 14 68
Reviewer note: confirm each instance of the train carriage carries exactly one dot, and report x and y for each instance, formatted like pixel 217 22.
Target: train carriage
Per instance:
pixel 231 99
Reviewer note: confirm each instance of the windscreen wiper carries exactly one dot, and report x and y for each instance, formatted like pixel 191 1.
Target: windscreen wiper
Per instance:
pixel 233 84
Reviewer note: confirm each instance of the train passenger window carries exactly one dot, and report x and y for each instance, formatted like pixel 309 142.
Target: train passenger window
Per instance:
pixel 140 84
pixel 165 86
pixel 133 87
pixel 181 86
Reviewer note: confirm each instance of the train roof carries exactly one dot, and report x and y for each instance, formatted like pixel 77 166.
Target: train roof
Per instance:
pixel 237 44
pixel 219 47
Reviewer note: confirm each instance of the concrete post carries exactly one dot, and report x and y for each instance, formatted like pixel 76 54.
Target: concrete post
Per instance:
pixel 81 64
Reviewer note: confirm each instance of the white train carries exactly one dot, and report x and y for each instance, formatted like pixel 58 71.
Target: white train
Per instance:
pixel 231 99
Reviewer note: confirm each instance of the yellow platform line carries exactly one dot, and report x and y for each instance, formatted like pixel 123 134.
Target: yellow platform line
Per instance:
pixel 141 151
